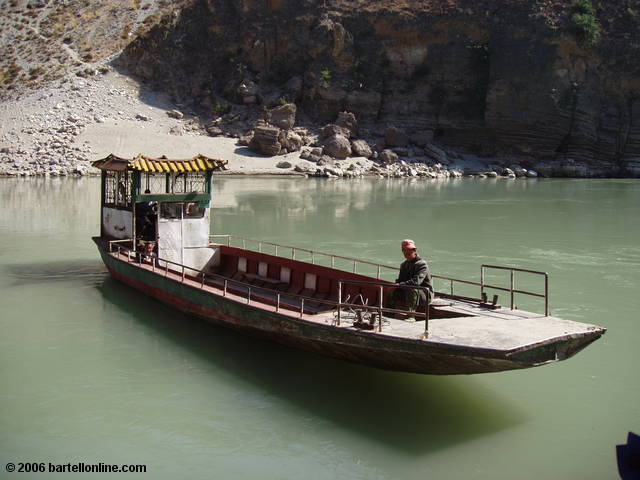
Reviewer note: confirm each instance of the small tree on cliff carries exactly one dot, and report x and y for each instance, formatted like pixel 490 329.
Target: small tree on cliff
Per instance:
pixel 584 24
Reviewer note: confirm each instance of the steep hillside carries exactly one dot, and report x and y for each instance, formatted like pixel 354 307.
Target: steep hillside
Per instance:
pixel 554 84
pixel 42 40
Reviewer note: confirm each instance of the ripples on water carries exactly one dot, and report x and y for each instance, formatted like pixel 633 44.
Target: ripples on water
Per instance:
pixel 89 273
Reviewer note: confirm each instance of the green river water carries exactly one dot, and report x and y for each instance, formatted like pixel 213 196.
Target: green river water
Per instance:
pixel 93 372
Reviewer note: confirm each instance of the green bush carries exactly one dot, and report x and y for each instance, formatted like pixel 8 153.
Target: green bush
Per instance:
pixel 325 78
pixel 584 24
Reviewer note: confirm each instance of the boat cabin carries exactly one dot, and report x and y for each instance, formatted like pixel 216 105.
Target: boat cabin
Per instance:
pixel 160 205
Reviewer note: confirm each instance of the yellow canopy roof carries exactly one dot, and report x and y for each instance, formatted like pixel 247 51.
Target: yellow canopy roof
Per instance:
pixel 142 163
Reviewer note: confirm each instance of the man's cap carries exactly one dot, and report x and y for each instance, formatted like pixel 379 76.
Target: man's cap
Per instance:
pixel 408 243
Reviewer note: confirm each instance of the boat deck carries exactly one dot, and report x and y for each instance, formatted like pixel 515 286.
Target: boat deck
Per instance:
pixel 476 327
pixel 501 329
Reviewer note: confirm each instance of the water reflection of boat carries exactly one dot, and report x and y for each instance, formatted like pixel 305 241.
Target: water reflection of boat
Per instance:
pixel 327 304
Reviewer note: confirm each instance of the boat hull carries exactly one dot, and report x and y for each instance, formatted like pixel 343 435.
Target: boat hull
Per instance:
pixel 364 347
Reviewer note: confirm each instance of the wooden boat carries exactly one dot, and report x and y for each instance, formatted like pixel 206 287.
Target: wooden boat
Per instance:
pixel 155 237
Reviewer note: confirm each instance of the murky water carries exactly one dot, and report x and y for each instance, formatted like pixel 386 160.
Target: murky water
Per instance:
pixel 92 372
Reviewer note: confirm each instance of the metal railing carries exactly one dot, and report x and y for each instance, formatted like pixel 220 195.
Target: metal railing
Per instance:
pixel 259 245
pixel 512 287
pixel 242 289
pixel 380 308
pixel 246 290
pixel 293 251
pixel 239 288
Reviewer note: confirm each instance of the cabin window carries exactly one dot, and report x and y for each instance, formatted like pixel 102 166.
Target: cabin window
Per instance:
pixel 171 211
pixel 193 210
pixel 179 210
pixel 117 188
pixel 285 274
pixel 263 269
pixel 187 182
pixel 242 264
pixel 154 183
pixel 310 281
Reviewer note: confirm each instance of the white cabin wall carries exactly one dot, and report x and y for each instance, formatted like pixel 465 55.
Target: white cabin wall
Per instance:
pixel 195 231
pixel 201 258
pixel 117 223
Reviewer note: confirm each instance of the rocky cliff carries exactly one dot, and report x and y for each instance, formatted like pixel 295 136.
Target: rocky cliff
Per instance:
pixel 526 81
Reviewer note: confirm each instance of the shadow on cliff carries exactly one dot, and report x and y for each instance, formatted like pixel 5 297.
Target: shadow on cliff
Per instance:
pixel 146 94
pixel 413 414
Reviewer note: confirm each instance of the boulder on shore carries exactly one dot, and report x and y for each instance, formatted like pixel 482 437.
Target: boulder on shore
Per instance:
pixel 337 146
pixel 265 140
pixel 283 116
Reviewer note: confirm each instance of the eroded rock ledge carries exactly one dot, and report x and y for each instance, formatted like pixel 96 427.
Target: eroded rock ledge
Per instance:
pixel 496 79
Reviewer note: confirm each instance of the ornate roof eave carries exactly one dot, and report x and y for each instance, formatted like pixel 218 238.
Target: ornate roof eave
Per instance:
pixel 143 163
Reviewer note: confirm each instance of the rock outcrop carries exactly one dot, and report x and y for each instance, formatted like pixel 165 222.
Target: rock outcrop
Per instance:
pixel 265 140
pixel 493 79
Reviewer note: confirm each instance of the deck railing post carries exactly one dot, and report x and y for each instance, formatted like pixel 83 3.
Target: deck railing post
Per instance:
pixel 166 268
pixel 481 280
pixel 333 261
pixel 380 307
pixel 354 266
pixel 224 290
pixel 293 253
pixel 512 287
pixel 546 294
pixel 203 275
pixel 451 286
pixel 276 250
pixel 426 316
pixel 278 302
pixel 312 258
pixel 301 307
pixel 378 274
pixel 339 301
pixel 248 294
pixel 260 247
pixel 182 273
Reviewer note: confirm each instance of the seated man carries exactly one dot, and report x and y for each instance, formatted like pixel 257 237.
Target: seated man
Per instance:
pixel 413 271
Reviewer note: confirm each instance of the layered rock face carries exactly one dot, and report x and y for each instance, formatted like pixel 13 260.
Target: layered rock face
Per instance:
pixel 493 78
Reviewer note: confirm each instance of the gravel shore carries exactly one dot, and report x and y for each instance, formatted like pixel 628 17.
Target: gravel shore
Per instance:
pixel 61 129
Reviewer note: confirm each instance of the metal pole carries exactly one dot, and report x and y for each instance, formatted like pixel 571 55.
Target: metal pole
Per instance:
pixel 512 286
pixel 481 280
pixel 276 250
pixel 203 275
pixel 380 307
pixel 301 307
pixel 278 302
pixel 378 274
pixel 224 291
pixel 333 261
pixel 248 294
pixel 546 295
pixel 312 259
pixel 354 266
pixel 339 300
pixel 182 273
pixel 426 316
pixel 260 247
